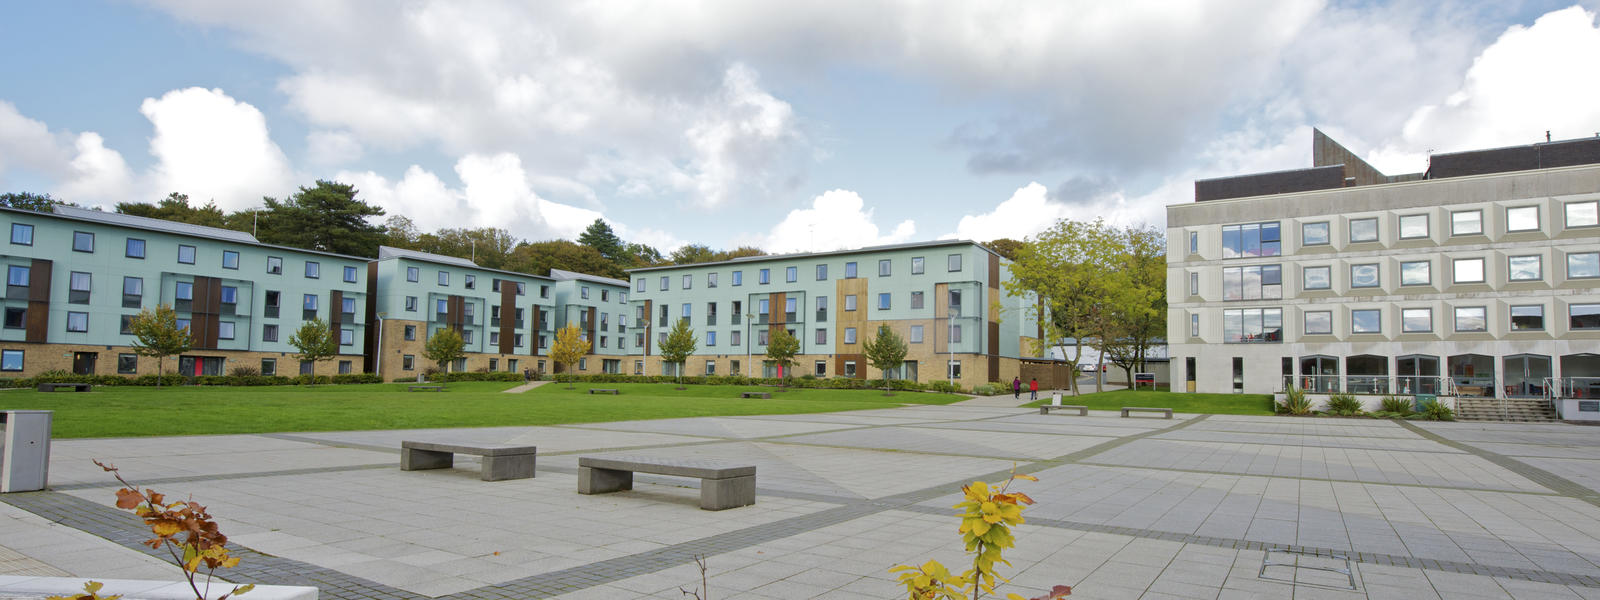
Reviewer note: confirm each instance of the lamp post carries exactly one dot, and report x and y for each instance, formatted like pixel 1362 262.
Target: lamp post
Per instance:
pixel 748 343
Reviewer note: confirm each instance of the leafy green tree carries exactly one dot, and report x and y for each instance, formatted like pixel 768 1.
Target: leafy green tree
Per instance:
pixel 400 232
pixel 538 258
pixel 326 217
pixel 679 345
pixel 1006 247
pixel 781 349
pixel 32 201
pixel 445 346
pixel 175 207
pixel 156 333
pixel 886 352
pixel 700 253
pixel 569 348
pixel 605 241
pixel 642 255
pixel 314 343
pixel 1132 314
pixel 1069 267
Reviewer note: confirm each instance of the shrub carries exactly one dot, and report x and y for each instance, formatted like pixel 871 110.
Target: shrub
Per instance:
pixel 1434 410
pixel 245 371
pixel 1294 402
pixel 1397 404
pixel 944 386
pixel 1344 405
pixel 988 389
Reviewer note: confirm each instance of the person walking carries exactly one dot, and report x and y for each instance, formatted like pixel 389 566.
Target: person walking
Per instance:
pixel 1033 389
pixel 1016 388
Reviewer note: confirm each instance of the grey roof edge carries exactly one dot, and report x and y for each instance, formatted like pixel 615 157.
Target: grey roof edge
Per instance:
pixel 1377 186
pixel 1277 172
pixel 862 250
pixel 1534 144
pixel 136 222
pixel 565 275
pixel 392 253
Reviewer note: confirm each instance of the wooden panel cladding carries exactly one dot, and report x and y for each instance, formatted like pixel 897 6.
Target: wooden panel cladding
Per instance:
pixel 994 271
pixel 335 311
pixel 860 360
pixel 38 322
pixel 203 312
pixel 455 312
pixel 849 318
pixel 590 316
pixel 370 339
pixel 508 318
pixel 776 319
pixel 649 313
pixel 535 325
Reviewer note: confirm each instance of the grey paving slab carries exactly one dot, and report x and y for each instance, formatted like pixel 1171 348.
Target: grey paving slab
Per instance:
pixel 719 427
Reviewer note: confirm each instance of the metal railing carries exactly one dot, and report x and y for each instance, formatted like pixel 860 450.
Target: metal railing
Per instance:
pixel 1320 384
pixel 1366 384
pixel 1418 384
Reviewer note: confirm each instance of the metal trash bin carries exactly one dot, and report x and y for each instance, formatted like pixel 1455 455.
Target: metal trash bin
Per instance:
pixel 24 449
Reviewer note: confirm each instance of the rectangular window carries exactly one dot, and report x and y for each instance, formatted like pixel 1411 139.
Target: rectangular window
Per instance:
pixel 413 274
pixel 1472 318
pixel 1316 278
pixel 1364 230
pixel 1194 284
pixel 79 286
pixel 1583 265
pixel 1364 276
pixel 78 321
pixel 822 272
pixel 849 270
pixel 1252 325
pixel 309 302
pixel 18 275
pixel 347 336
pixel 917 265
pixel 269 332
pixel 224 330
pixel 230 259
pixel 821 302
pixel 885 268
pixel 408 362
pixel 955 263
pixel 127 364
pixel 738 278
pixel 1582 214
pixel 850 302
pixel 1367 320
pixel 125 327
pixel 791 274
pixel 1252 283
pixel 1319 322
pixel 1315 234
pixel 1466 222
pixel 764 276
pixel 1419 272
pixel 185 254
pixel 21 235
pixel 348 305
pixel 711 281
pixel 916 300
pixel 789 309
pixel 1194 325
pixel 269 367
pixel 849 335
pixel 688 310
pixel 1251 240
pixel 1194 242
pixel 664 283
pixel 761 337
pixel 822 336
pixel 955 334
pixel 132 292
pixel 711 367
pixel 466 337
pixel 82 241
pixel 134 248
pixel 1525 268
pixel 272 303
pixel 410 333
pixel 1413 226
pixel 883 301
pixel 350 276
pixel 1527 318
pixel 638 285
pixel 313 270
pixel 1467 270
pixel 444 278
pixel 10 360
pixel 1522 218
pixel 184 291
pixel 733 339
pixel 411 304
pixel 1416 320
pixel 711 338
pixel 16 317
pixel 583 291
pixel 1579 316
pixel 916 334
pixel 954 369
pixel 230 294
pixel 274 265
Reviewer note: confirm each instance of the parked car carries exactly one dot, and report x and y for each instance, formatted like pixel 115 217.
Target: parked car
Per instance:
pixel 1086 368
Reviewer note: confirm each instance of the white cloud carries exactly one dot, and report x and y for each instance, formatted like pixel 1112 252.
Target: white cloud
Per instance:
pixel 82 169
pixel 26 142
pixel 1026 212
pixel 835 221
pixel 213 147
pixel 730 139
pixel 328 148
pixel 99 175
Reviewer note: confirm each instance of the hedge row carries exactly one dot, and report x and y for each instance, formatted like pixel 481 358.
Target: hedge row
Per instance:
pixel 176 380
pixel 834 383
pixel 477 376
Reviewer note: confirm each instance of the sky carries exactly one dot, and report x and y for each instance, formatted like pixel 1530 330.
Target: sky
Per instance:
pixel 791 126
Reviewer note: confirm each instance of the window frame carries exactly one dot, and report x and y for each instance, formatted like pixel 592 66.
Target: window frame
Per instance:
pixel 274 265
pixel 350 274
pixel 230 253
pixel 1354 321
pixel 1377 276
pixel 313 270
pixel 1566 213
pixel 1455 223
pixel 919 265
pixel 1426 226
pixel 5 360
pixel 194 254
pixel 1572 319
pixel 1305 322
pixel 1511 270
pixel 1455 270
pixel 953 263
pixel 1456 315
pixel 1510 219
pixel 1327 233
pixel 1594 266
pixel 77 236
pixel 1407 312
pixel 82 317
pixel 127 248
pixel 1511 312
pixel 1354 223
pixel 19 228
pixel 1305 281
pixel 1427 271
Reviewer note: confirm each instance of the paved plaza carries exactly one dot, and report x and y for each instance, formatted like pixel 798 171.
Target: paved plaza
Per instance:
pixel 1127 508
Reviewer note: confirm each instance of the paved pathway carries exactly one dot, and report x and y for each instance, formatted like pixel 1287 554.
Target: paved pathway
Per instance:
pixel 1127 507
pixel 525 387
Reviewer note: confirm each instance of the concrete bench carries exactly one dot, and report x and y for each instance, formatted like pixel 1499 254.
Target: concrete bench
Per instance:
pixel 1128 409
pixel 767 395
pixel 604 391
pixel 499 461
pixel 722 484
pixel 76 387
pixel 426 388
pixel 1044 409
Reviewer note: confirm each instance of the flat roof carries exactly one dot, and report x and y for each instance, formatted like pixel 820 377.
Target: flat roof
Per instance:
pixel 866 250
pixel 73 213
pixel 392 253
pixel 564 275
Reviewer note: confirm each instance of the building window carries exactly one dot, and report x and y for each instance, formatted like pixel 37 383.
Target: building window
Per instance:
pixel 1252 283
pixel 954 263
pixel 444 278
pixel 1413 226
pixel 1364 276
pixel 225 330
pixel 1416 272
pixel 1194 325
pixel 133 248
pixel 313 270
pixel 309 302
pixel 1251 325
pixel 347 336
pixel 955 369
pixel 350 275
pixel 16 317
pixel 269 333
pixel 78 321
pixel 849 335
pixel 274 265
pixel 10 360
pixel 21 235
pixel 270 308
pixel 849 368
pixel 764 276
pixel 791 274
pixel 1194 284
pixel 850 270
pixel 1583 214
pixel 665 285
pixel 1194 242
pixel 1364 230
pixel 738 278
pixel 82 241
pixel 733 339
pixel 1579 316
pixel 1522 218
pixel 125 327
pixel 1466 222
pixel 347 305
pixel 1583 265
pixel 466 337
pixel 345 367
pixel 822 272
pixel 183 324
pixel 127 364
pixel 916 300
pixel 583 364
pixel 269 367
pixel 1316 278
pixel 184 290
pixel 1525 268
pixel 711 338
pixel 711 367
pixel 822 336
pixel 1315 234
pixel 850 302
pixel 885 268
pixel 1416 320
pixel 583 290
pixel 1251 240
pixel 19 276
pixel 132 292
pixel 410 333
pixel 639 285
pixel 688 310
pixel 1467 270
pixel 1527 318
pixel 883 301
pixel 711 281
pixel 917 265
pixel 408 362
pixel 185 254
pixel 916 334
pixel 1367 320
pixel 413 274
pixel 955 334
pixel 1472 319
pixel 230 259
pixel 411 304
pixel 79 286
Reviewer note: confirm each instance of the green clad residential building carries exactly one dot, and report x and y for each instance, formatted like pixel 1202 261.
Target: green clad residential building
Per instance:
pixel 76 278
pixel 599 307
pixel 944 298
pixel 504 317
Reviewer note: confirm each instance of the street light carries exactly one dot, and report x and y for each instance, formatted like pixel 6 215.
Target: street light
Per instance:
pixel 748 343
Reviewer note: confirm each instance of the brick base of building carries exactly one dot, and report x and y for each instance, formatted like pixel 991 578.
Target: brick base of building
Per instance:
pixel 41 358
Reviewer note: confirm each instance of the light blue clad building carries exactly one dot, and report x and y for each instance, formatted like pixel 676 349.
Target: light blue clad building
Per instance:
pixel 507 319
pixel 599 307
pixel 77 277
pixel 944 298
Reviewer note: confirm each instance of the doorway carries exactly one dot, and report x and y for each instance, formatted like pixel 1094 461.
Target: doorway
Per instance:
pixel 83 362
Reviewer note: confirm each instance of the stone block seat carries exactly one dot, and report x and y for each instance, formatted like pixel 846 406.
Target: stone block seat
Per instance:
pixel 1166 412
pixel 500 461
pixel 723 484
pixel 1083 411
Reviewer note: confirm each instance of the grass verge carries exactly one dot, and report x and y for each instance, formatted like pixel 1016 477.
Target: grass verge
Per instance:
pixel 1216 404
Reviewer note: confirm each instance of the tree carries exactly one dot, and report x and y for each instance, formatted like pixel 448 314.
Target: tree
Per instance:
pixel 32 201
pixel 689 254
pixel 782 348
pixel 886 353
pixel 641 255
pixel 538 258
pixel 156 333
pixel 175 207
pixel 570 347
pixel 1006 247
pixel 1132 314
pixel 314 342
pixel 445 346
pixel 605 241
pixel 1067 266
pixel 327 217
pixel 679 345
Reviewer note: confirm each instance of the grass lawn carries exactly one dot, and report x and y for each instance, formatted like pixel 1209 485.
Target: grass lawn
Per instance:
pixel 1216 404
pixel 147 411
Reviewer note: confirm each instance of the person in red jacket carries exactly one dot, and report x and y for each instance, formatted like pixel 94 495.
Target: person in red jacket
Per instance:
pixel 1033 389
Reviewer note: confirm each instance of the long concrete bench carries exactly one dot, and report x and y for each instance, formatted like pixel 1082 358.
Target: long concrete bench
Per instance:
pixel 426 388
pixel 722 484
pixel 76 387
pixel 1044 409
pixel 767 395
pixel 1128 409
pixel 499 461
pixel 604 391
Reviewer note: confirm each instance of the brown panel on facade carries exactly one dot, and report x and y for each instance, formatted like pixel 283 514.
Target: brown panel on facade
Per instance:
pixel 994 271
pixel 508 317
pixel 454 315
pixel 861 364
pixel 649 313
pixel 593 343
pixel 775 313
pixel 203 318
pixel 369 353
pixel 535 325
pixel 849 318
pixel 994 351
pixel 335 311
pixel 38 323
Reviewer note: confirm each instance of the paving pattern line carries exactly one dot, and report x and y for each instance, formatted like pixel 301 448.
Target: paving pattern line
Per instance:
pixel 1455 488
pixel 224 476
pixel 1553 482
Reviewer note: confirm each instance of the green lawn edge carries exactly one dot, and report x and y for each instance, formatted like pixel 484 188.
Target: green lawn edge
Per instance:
pixel 1183 402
